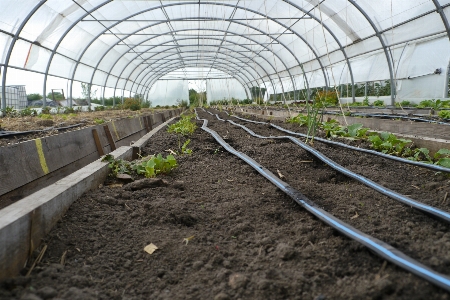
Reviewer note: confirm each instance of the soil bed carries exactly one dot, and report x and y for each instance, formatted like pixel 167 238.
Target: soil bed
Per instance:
pixel 85 119
pixel 250 240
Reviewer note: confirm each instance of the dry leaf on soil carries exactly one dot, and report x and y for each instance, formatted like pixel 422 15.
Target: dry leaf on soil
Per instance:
pixel 150 248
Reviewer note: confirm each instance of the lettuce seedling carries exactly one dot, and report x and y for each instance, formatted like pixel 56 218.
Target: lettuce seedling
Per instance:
pixel 443 161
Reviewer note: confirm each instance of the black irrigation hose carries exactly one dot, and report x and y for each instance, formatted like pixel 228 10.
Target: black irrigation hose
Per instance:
pixel 15 133
pixel 440 214
pixel 373 152
pixel 384 116
pixel 379 247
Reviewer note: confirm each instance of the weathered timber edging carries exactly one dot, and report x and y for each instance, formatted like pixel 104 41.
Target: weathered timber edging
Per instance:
pixel 31 165
pixel 24 223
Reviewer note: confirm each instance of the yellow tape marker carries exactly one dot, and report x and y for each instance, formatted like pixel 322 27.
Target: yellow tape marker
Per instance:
pixel 115 130
pixel 140 122
pixel 41 156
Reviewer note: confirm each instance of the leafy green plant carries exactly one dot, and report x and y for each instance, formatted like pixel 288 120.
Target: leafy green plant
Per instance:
pixel 45 117
pixel 388 143
pixel 300 119
pixel 9 111
pixel 153 165
pixel 99 121
pixel 444 114
pixel 434 104
pixel 332 128
pixel 404 103
pixel 117 166
pixel 442 158
pixel 418 154
pixel 99 108
pixel 183 127
pixel 185 149
pixel 378 103
pixel 366 101
pixel 356 131
pixel 27 112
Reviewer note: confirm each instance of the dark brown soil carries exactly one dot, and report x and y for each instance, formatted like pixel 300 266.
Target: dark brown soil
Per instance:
pixel 250 241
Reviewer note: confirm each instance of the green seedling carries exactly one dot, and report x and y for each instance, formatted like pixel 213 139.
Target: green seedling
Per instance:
pixel 444 114
pixel 117 166
pixel 388 143
pixel 443 158
pixel 356 131
pixel 152 165
pixel 184 148
pixel 332 128
pixel 300 119
pixel 184 127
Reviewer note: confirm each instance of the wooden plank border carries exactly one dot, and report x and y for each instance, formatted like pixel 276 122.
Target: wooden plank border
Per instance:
pixel 23 224
pixel 26 162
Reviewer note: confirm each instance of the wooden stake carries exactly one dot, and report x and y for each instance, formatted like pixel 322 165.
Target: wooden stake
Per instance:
pixel 97 142
pixel 110 138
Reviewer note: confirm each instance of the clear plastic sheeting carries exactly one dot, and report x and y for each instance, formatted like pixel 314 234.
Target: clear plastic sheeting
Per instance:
pixel 168 92
pixel 130 44
pixel 225 89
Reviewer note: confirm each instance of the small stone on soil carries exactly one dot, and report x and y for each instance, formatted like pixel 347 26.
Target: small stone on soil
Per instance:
pixel 146 183
pixel 237 280
pixel 47 292
pixel 284 251
pixel 221 296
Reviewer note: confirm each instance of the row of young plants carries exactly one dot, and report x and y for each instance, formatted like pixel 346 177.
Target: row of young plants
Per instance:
pixel 153 165
pixel 384 142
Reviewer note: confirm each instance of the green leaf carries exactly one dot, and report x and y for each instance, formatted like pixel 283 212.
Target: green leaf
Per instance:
pixel 442 152
pixel 385 135
pixel 445 162
pixel 353 129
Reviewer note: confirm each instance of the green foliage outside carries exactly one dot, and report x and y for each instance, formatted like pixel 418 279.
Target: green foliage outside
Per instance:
pixel 33 97
pixel 131 104
pixel 196 99
pixel 55 96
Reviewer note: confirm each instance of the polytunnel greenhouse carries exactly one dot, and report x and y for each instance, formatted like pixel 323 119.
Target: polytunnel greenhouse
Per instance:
pixel 224 149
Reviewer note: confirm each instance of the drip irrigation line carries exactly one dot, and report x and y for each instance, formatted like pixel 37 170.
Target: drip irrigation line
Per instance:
pixel 373 152
pixel 16 133
pixel 385 116
pixel 379 247
pixel 440 214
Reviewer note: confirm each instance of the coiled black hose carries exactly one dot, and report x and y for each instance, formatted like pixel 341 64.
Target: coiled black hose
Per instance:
pixel 379 247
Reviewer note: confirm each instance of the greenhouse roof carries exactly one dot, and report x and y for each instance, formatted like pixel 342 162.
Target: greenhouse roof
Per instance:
pixel 281 45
